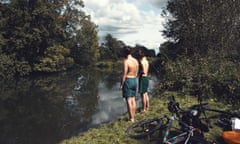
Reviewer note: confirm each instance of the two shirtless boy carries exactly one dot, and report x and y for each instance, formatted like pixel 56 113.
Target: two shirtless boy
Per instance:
pixel 129 81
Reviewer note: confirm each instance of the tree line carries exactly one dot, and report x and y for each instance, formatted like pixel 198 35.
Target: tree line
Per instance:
pixel 202 27
pixel 49 36
pixel 202 52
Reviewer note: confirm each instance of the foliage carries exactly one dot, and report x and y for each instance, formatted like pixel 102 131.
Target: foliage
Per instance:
pixel 211 78
pixel 22 68
pixel 111 48
pixel 147 52
pixel 202 52
pixel 55 59
pixel 6 67
pixel 28 28
pixel 202 27
pixel 10 68
pixel 109 65
pixel 105 64
pixel 86 51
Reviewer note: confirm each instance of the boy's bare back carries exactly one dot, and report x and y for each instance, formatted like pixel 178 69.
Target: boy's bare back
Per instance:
pixel 131 66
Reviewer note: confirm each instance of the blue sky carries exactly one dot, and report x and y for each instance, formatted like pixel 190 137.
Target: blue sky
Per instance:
pixel 132 21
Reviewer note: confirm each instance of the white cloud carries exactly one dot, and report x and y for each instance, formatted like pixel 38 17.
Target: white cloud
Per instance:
pixel 132 21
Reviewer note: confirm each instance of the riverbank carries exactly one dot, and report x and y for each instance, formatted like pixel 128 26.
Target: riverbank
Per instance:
pixel 114 132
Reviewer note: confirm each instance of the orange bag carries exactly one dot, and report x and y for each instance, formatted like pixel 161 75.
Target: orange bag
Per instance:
pixel 231 137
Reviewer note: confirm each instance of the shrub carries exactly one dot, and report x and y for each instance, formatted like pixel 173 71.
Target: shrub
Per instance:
pixel 208 77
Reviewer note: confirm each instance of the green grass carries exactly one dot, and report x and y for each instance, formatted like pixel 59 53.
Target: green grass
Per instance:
pixel 114 132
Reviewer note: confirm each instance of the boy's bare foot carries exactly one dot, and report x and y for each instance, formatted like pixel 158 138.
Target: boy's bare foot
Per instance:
pixel 142 111
pixel 131 120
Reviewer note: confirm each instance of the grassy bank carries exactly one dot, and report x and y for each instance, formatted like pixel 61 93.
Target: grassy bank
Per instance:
pixel 114 132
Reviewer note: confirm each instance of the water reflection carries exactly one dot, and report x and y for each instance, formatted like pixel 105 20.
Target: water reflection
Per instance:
pixel 47 109
pixel 110 104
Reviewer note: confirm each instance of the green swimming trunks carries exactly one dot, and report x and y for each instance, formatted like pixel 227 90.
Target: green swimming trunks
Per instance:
pixel 143 84
pixel 129 87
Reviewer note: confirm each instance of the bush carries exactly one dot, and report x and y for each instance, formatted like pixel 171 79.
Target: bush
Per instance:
pixel 208 77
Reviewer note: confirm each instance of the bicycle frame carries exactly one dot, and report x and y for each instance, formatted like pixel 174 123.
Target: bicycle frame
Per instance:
pixel 184 136
pixel 180 138
pixel 189 131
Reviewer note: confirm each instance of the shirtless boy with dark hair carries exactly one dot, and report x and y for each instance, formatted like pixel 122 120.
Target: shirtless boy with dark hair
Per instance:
pixel 143 80
pixel 129 82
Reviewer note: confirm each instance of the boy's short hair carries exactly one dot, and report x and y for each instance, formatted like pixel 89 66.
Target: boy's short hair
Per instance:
pixel 141 53
pixel 126 51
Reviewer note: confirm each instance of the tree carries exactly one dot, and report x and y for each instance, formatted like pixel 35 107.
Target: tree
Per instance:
pixel 86 50
pixel 203 27
pixel 148 52
pixel 113 47
pixel 56 58
pixel 29 28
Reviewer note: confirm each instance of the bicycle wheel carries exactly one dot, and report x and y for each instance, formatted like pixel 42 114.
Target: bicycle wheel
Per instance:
pixel 144 128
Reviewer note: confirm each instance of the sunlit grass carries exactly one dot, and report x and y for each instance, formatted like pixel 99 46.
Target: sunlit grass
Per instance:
pixel 114 132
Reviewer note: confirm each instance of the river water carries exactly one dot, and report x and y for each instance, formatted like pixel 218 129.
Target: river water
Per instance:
pixel 49 108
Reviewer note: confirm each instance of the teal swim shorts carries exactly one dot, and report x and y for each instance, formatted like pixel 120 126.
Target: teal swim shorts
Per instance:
pixel 143 84
pixel 129 87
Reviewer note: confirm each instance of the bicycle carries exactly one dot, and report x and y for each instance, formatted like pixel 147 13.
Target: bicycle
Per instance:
pixel 228 120
pixel 190 132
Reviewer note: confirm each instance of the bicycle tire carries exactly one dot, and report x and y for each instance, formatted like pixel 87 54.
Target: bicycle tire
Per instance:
pixel 145 127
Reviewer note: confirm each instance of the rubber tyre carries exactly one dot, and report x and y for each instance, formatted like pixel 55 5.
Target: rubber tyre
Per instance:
pixel 144 128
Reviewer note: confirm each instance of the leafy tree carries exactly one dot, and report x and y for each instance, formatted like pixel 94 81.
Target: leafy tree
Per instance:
pixel 6 67
pixel 30 28
pixel 104 52
pixel 86 51
pixel 148 52
pixel 113 47
pixel 203 27
pixel 56 58
pixel 203 48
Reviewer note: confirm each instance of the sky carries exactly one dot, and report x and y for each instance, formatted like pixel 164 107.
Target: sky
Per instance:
pixel 131 21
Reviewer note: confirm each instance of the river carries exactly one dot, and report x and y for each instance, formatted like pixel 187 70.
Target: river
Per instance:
pixel 45 109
